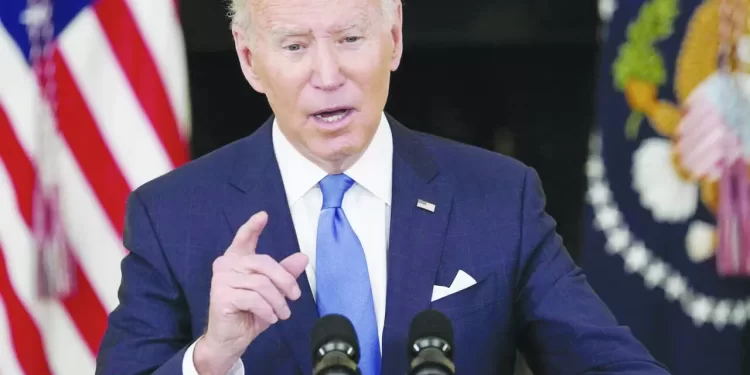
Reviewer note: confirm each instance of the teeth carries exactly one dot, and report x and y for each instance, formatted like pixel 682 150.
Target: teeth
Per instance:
pixel 331 119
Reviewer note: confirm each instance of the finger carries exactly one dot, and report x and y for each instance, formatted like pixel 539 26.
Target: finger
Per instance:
pixel 265 265
pixel 246 239
pixel 263 286
pixel 295 264
pixel 251 302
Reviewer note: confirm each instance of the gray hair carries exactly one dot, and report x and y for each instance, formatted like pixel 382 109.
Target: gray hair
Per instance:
pixel 240 15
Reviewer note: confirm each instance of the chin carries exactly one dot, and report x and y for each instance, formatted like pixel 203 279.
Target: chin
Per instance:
pixel 337 149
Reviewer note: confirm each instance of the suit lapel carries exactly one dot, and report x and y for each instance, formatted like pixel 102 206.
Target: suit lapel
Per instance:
pixel 416 241
pixel 256 185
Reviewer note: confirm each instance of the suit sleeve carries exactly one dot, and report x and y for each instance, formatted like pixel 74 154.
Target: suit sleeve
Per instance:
pixel 149 331
pixel 564 327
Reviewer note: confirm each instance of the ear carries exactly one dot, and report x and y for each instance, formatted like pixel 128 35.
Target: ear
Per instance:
pixel 245 53
pixel 398 36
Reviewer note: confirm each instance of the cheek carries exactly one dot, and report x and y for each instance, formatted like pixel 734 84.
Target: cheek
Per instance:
pixel 370 77
pixel 369 62
pixel 284 82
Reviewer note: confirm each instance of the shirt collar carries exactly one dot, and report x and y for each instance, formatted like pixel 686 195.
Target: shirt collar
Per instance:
pixel 373 170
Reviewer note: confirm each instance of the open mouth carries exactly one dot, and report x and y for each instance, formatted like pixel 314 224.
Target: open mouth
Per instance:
pixel 332 116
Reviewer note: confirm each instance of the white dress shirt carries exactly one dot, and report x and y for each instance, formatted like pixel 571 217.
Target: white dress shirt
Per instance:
pixel 367 205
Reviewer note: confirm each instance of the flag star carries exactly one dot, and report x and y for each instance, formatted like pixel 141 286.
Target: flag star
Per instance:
pixel 599 193
pixel 607 218
pixel 721 314
pixel 675 287
pixel 35 15
pixel 700 310
pixel 636 258
pixel 655 274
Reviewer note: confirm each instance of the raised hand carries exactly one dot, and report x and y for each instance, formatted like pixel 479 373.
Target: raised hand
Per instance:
pixel 249 293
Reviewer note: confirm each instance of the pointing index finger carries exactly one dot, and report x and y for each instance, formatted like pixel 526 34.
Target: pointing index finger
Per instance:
pixel 246 239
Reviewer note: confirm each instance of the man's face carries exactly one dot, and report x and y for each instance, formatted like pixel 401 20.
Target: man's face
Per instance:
pixel 324 66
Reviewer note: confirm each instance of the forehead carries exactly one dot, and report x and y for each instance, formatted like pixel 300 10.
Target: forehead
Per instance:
pixel 313 14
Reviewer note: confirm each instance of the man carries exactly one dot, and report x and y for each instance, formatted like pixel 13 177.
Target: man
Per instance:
pixel 334 207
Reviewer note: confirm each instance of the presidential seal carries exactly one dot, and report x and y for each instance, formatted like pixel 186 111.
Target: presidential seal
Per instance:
pixel 703 156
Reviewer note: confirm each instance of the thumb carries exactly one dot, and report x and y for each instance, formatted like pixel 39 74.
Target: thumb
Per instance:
pixel 295 264
pixel 246 239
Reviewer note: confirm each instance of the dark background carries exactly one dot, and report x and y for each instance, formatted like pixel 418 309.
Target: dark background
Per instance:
pixel 516 76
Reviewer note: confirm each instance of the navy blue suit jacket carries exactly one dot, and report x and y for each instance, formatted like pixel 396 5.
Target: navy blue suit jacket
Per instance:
pixel 489 222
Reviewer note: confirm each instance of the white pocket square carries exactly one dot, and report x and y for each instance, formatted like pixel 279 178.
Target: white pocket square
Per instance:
pixel 461 282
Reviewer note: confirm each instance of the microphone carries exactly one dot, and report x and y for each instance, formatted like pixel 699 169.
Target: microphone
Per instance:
pixel 431 344
pixel 335 347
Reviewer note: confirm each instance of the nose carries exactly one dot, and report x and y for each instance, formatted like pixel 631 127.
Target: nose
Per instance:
pixel 327 73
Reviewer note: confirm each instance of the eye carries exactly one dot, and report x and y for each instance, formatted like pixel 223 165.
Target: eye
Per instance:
pixel 352 39
pixel 293 47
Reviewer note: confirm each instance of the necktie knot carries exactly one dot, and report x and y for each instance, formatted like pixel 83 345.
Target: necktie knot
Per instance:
pixel 334 186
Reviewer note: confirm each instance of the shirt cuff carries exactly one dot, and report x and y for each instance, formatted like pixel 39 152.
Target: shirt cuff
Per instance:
pixel 188 366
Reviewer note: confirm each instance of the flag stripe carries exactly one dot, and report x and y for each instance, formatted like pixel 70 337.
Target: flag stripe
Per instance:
pixel 93 238
pixel 89 149
pixel 135 60
pixel 87 312
pixel 66 349
pixel 159 24
pixel 27 340
pixel 98 246
pixel 29 349
pixel 21 168
pixel 19 93
pixel 115 109
pixel 85 309
pixel 8 361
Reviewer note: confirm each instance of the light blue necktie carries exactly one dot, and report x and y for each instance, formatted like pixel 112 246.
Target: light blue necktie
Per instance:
pixel 343 283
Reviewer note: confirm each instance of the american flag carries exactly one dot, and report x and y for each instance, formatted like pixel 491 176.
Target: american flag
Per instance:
pixel 93 103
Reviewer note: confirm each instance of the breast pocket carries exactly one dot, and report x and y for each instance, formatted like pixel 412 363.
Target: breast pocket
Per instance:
pixel 477 297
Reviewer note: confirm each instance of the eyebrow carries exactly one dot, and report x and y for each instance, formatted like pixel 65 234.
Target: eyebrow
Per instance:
pixel 361 20
pixel 286 30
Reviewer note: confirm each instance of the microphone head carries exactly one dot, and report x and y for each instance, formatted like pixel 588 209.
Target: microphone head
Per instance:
pixel 431 324
pixel 331 329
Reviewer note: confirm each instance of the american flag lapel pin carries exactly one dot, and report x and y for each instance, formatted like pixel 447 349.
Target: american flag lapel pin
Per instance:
pixel 425 205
